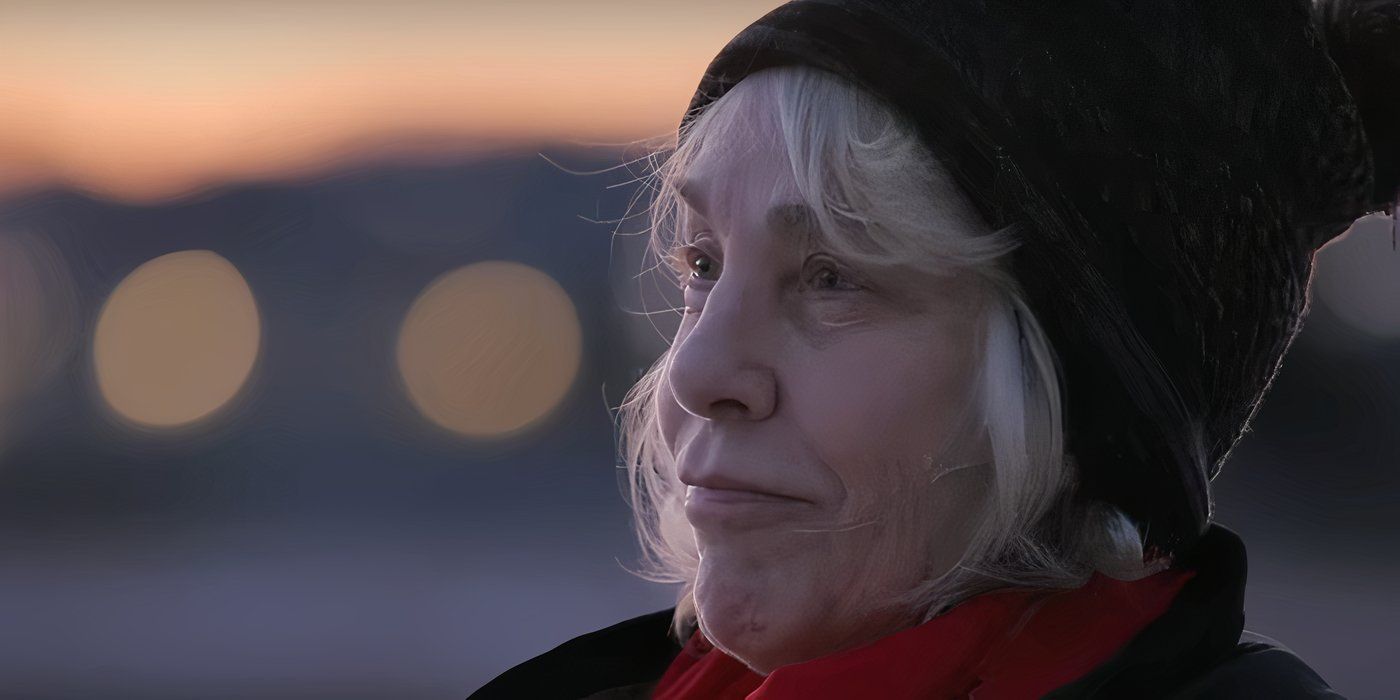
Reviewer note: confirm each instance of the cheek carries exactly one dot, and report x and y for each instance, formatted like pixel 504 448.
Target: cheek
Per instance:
pixel 884 404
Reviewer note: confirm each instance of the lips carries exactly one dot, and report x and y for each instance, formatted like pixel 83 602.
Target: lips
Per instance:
pixel 714 476
pixel 738 508
pixel 711 495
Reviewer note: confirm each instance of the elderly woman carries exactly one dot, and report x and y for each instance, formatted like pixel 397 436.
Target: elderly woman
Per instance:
pixel 978 296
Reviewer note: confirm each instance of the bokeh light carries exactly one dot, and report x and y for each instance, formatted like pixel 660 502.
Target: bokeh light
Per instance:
pixel 177 339
pixel 490 349
pixel 38 321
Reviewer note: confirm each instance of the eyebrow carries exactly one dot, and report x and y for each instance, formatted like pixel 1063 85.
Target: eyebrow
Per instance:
pixel 794 218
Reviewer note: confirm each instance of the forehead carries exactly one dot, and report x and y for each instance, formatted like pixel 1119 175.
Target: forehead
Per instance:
pixel 730 180
pixel 743 142
pixel 786 212
pixel 746 168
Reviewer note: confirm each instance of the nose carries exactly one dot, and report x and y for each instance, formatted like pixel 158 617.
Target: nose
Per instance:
pixel 721 369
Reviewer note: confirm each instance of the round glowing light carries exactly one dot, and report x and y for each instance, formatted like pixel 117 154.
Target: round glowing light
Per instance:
pixel 177 339
pixel 489 349
pixel 39 318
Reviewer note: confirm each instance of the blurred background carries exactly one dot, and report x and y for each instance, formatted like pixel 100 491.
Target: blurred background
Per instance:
pixel 312 318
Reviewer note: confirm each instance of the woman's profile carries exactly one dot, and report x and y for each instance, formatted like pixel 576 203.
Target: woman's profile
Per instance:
pixel 978 298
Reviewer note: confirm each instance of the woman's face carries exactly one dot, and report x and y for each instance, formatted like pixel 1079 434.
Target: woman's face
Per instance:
pixel 842 396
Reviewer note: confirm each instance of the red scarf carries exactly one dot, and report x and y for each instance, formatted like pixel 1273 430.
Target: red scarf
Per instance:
pixel 974 646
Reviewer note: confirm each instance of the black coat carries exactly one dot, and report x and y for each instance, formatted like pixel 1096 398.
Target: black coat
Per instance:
pixel 1197 649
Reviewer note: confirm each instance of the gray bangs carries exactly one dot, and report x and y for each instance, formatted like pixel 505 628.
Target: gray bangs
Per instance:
pixel 882 202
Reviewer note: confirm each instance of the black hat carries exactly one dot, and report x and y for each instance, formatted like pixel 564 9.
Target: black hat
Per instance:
pixel 1173 166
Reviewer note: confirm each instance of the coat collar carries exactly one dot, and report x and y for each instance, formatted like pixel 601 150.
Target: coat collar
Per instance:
pixel 1200 629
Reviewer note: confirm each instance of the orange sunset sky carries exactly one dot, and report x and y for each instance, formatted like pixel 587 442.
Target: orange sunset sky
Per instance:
pixel 151 99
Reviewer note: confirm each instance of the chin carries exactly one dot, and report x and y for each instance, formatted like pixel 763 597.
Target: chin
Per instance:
pixel 759 654
pixel 764 629
pixel 739 617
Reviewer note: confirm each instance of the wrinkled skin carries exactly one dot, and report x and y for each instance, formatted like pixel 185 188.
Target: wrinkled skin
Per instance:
pixel 848 395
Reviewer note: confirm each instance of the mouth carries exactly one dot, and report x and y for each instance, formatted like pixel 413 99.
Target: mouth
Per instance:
pixel 712 508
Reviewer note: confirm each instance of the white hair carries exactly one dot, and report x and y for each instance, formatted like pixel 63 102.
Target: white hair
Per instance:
pixel 883 200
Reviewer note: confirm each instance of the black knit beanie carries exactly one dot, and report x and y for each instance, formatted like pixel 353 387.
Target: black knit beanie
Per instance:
pixel 1173 166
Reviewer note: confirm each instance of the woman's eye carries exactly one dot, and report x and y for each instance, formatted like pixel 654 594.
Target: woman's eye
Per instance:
pixel 828 277
pixel 696 264
pixel 703 266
